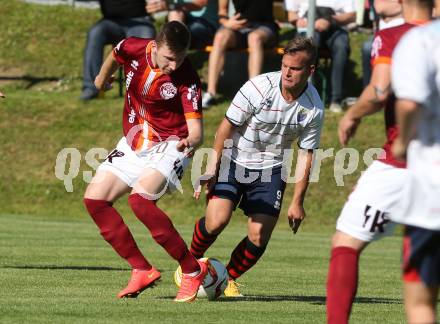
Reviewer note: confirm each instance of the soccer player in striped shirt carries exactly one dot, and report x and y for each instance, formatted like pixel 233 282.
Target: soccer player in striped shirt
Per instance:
pixel 162 123
pixel 266 116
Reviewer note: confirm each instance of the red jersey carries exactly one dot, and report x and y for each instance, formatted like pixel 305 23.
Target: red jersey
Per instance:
pixel 156 105
pixel 384 43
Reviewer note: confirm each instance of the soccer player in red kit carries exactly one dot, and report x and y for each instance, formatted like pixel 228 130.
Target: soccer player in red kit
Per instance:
pixel 365 216
pixel 162 124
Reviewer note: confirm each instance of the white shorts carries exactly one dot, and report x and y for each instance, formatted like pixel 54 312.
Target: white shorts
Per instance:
pixel 129 165
pixel 365 215
pixel 420 205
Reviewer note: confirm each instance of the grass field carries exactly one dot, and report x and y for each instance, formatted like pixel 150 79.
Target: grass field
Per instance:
pixel 61 271
pixel 54 266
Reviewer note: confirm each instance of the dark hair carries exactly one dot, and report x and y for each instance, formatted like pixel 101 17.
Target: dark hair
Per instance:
pixel 176 35
pixel 302 43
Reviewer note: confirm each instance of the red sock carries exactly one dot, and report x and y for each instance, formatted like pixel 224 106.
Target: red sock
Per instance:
pixel 342 283
pixel 163 231
pixel 116 233
pixel 244 257
pixel 201 239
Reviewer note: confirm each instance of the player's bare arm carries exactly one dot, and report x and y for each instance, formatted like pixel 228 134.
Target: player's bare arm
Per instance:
pixel 370 101
pixel 2 95
pixel 224 132
pixel 195 135
pixel 296 212
pixel 105 77
pixel 407 115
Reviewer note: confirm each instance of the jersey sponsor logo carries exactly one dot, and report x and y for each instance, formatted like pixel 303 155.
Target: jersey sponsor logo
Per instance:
pixel 114 154
pixel 130 75
pixel 134 64
pixel 167 90
pixel 131 116
pixel 267 102
pixel 193 96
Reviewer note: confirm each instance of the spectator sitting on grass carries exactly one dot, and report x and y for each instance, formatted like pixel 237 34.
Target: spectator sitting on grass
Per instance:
pixel 252 26
pixel 121 19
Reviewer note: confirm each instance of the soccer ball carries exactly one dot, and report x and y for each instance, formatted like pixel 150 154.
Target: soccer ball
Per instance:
pixel 215 281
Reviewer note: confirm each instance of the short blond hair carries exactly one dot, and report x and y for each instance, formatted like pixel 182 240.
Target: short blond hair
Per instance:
pixel 302 44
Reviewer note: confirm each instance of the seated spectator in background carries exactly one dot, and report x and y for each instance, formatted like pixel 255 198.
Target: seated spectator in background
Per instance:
pixel 332 17
pixel 252 26
pixel 201 17
pixel 121 19
pixel 389 14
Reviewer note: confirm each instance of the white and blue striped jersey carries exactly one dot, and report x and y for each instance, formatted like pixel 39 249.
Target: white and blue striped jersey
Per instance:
pixel 416 77
pixel 267 124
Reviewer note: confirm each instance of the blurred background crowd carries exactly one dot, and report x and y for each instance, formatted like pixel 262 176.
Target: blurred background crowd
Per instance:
pixel 252 27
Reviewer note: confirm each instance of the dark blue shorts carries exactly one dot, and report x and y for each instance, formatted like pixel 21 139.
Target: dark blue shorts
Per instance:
pixel 421 256
pixel 264 195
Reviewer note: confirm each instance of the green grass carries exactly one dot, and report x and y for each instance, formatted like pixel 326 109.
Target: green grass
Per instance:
pixel 54 265
pixel 62 271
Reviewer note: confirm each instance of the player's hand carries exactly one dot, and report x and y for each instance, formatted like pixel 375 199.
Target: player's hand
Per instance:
pixel 398 149
pixel 347 128
pixel 235 23
pixel 208 179
pixel 322 25
pixel 184 146
pixel 2 95
pixel 102 84
pixel 295 215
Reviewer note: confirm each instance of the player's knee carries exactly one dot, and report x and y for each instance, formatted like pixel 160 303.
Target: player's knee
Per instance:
pixel 343 239
pixel 216 223
pixel 93 193
pixel 258 238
